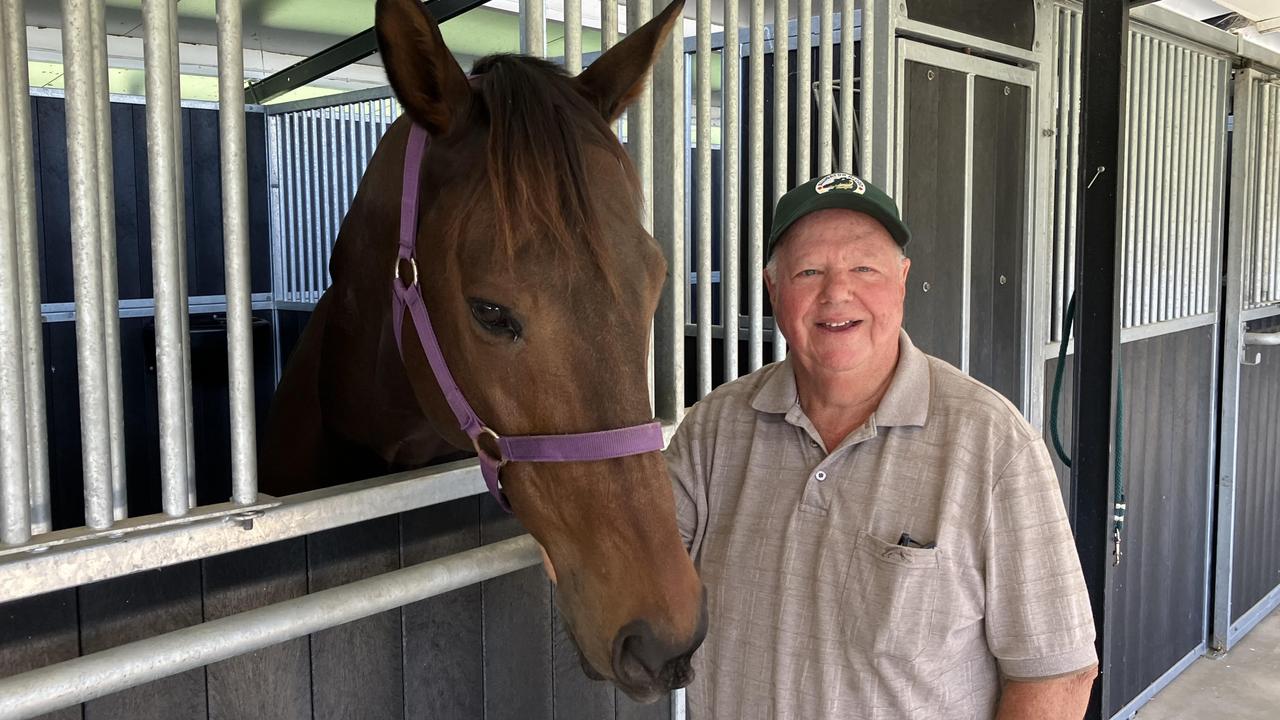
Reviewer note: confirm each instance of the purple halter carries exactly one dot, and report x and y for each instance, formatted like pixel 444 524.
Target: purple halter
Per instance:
pixel 407 295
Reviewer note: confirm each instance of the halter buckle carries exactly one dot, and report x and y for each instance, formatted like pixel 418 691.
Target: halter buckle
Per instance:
pixel 475 442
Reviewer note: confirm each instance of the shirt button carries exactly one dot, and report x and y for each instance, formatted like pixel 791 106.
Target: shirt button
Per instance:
pixel 820 475
pixel 814 443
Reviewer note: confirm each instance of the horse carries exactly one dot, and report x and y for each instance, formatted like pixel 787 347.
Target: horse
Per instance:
pixel 540 282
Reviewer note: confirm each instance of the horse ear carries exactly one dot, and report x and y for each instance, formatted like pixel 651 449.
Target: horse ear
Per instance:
pixel 617 77
pixel 426 78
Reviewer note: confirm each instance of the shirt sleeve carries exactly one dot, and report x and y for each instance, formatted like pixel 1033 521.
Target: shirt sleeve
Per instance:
pixel 1039 622
pixel 688 482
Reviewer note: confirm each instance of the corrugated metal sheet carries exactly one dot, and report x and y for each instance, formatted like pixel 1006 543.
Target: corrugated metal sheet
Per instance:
pixel 1262 251
pixel 1256 557
pixel 1173 191
pixel 1159 610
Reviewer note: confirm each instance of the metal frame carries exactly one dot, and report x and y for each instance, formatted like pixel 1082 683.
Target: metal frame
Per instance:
pixel 1131 710
pixel 914 51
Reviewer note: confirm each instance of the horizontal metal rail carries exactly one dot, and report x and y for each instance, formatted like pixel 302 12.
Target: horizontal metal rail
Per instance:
pixel 1262 338
pixel 102 673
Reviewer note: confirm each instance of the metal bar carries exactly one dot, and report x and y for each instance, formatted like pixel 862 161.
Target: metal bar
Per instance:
pixel 869 90
pixel 755 250
pixel 1066 104
pixel 640 119
pixel 1073 180
pixel 235 223
pixel 15 488
pixel 826 36
pixel 1150 219
pixel 848 89
pixel 340 55
pixel 107 238
pixel 1196 163
pixel 183 293
pixel 1133 158
pixel 332 215
pixel 1159 272
pixel 1268 339
pixel 804 81
pixel 91 676
pixel 276 205
pixel 86 262
pixel 292 178
pixel 28 281
pixel 163 167
pixel 1097 330
pixel 670 81
pixel 1177 238
pixel 966 270
pixel 1205 127
pixel 731 186
pixel 573 36
pixel 1271 266
pixel 608 24
pixel 311 233
pixel 533 27
pixel 1243 159
pixel 703 139
pixel 781 123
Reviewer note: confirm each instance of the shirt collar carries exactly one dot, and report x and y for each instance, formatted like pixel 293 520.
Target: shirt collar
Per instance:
pixel 905 403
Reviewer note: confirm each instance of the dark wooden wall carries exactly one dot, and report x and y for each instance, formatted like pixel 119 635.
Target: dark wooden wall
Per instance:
pixel 1256 555
pixel 1159 610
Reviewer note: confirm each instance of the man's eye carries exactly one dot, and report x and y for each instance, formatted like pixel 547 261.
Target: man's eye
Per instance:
pixel 495 318
pixel 808 273
pixel 864 269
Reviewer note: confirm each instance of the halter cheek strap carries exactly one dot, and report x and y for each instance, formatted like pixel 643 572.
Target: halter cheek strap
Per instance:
pixel 407 297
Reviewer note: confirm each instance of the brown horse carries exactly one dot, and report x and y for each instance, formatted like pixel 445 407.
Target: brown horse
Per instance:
pixel 541 282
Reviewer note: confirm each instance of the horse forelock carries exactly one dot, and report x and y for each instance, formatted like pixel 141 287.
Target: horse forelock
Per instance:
pixel 539 131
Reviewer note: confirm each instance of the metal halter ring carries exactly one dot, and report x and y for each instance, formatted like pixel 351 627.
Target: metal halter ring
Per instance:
pixel 475 442
pixel 412 264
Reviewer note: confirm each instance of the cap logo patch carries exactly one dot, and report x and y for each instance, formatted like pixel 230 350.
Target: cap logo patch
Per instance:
pixel 840 181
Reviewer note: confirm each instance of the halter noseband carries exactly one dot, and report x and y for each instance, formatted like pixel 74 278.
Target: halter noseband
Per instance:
pixel 407 296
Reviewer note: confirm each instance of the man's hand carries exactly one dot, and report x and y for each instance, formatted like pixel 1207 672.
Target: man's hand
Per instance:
pixel 1059 698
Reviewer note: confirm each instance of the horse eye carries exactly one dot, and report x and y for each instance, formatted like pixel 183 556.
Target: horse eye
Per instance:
pixel 495 318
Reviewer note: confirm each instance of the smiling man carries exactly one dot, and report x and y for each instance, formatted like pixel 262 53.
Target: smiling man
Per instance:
pixel 880 535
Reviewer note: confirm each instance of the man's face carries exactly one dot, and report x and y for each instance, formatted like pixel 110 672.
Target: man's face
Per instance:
pixel 837 290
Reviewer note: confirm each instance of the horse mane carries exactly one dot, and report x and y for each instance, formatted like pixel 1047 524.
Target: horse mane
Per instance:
pixel 539 128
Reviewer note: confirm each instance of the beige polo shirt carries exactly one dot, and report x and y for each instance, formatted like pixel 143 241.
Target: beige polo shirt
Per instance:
pixel 816 611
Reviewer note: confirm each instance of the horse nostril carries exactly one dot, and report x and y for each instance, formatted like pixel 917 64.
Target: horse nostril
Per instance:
pixel 641 659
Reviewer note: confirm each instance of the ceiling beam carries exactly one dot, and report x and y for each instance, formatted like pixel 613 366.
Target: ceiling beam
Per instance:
pixel 340 55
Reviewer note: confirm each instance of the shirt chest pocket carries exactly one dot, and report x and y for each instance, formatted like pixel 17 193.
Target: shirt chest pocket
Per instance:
pixel 890 595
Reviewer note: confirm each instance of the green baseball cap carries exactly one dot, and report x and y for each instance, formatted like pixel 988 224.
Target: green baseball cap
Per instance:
pixel 836 190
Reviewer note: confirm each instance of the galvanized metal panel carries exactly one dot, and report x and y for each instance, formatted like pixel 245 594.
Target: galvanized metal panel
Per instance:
pixel 1262 253
pixel 1175 177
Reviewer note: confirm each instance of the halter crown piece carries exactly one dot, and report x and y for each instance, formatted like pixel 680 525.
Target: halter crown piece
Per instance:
pixel 407 296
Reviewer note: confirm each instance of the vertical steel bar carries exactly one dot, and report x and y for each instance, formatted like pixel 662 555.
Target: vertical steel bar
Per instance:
pixel 311 236
pixel 295 217
pixel 1073 182
pixel 573 36
pixel 640 118
pixel 1159 278
pixel 1177 172
pixel 848 90
pixel 804 88
pixel 1150 228
pixel 342 130
pixel 1263 228
pixel 331 216
pixel 277 205
pixel 163 165
pixel 82 175
pixel 1126 240
pixel 184 295
pixel 107 238
pixel 15 487
pixel 755 250
pixel 1201 159
pixel 702 124
pixel 235 223
pixel 1137 176
pixel 781 124
pixel 533 25
pixel 966 272
pixel 731 185
pixel 1272 208
pixel 609 25
pixel 28 282
pixel 869 50
pixel 671 84
pixel 825 84
pixel 1066 105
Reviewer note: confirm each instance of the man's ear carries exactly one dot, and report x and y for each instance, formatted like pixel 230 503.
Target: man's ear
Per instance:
pixel 617 77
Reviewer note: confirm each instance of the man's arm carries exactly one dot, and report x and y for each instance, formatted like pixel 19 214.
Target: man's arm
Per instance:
pixel 1060 698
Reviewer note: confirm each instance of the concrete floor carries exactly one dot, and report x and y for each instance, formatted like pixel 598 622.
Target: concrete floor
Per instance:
pixel 1242 685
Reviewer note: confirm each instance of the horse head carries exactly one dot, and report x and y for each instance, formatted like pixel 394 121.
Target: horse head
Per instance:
pixel 541 283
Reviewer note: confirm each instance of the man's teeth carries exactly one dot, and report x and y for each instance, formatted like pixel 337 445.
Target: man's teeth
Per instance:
pixel 837 326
